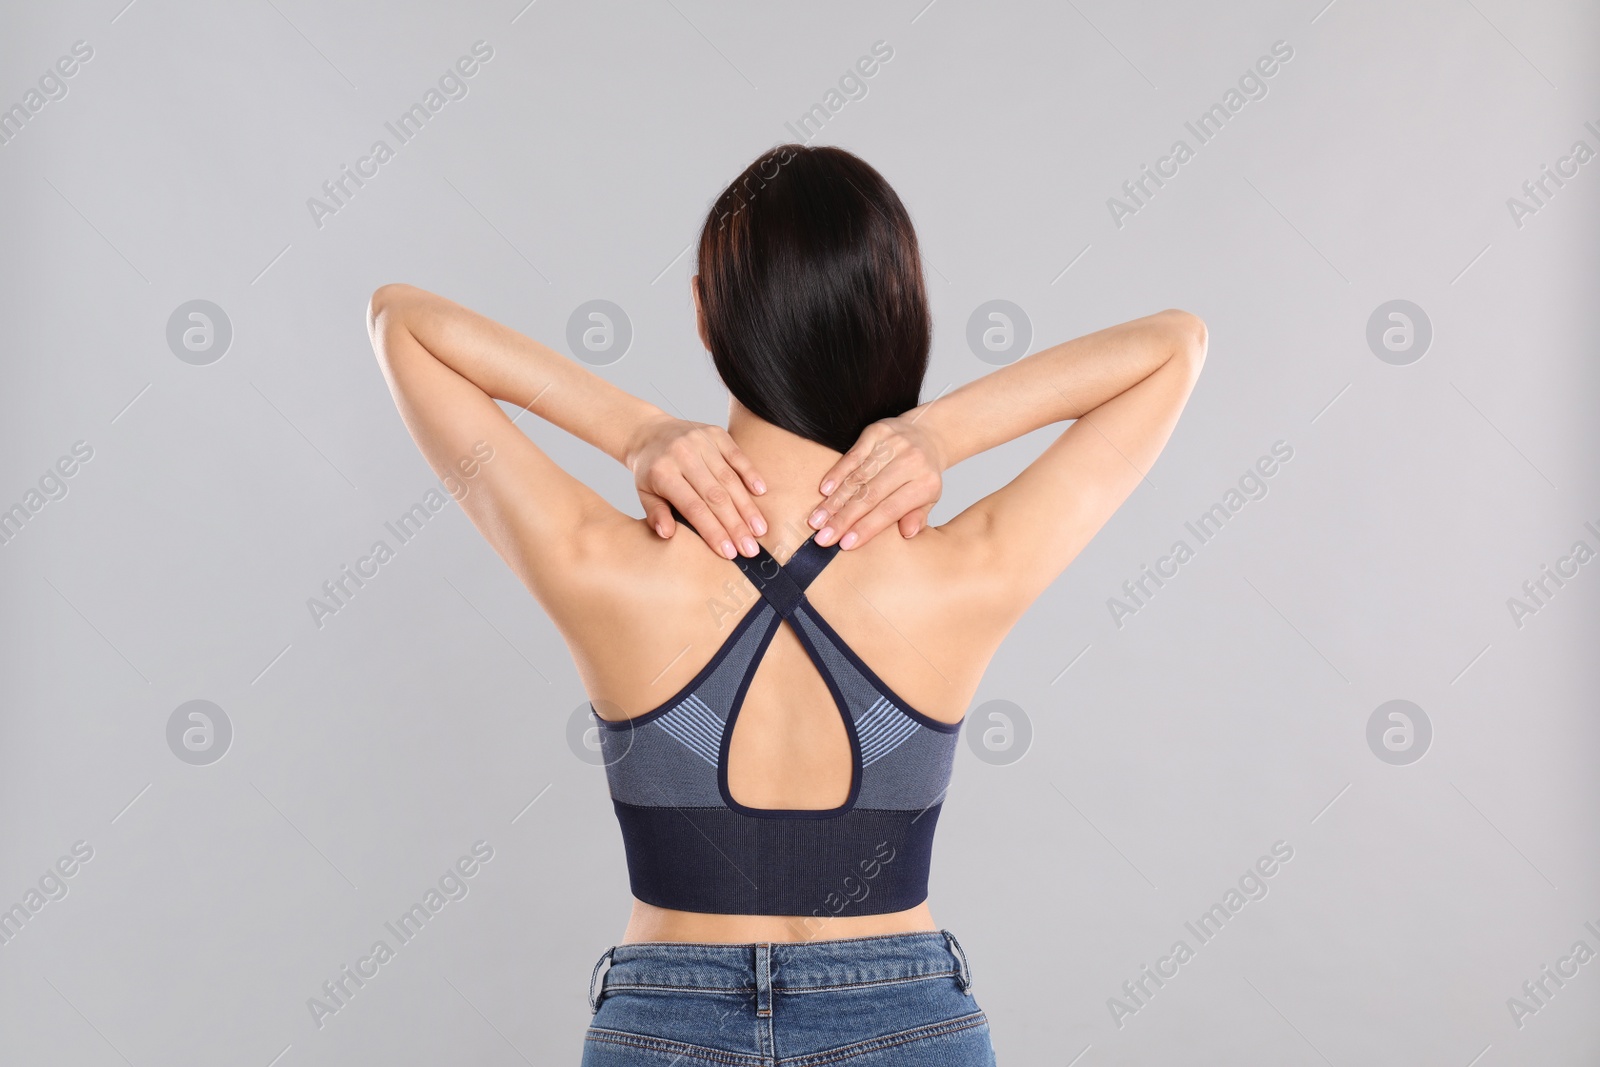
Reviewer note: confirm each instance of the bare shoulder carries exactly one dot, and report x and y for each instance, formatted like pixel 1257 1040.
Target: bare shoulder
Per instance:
pixel 926 614
pixel 642 615
pixel 639 613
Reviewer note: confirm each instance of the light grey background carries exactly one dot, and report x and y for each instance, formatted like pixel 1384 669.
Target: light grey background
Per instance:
pixel 1167 754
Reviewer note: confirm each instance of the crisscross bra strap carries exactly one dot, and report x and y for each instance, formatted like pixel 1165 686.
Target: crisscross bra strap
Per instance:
pixel 782 584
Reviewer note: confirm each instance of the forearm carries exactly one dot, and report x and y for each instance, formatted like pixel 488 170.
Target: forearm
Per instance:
pixel 1058 383
pixel 512 367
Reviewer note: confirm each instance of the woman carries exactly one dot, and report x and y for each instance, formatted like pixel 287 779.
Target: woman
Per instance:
pixel 777 795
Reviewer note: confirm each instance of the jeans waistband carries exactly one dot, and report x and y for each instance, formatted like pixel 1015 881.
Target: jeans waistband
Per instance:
pixel 760 968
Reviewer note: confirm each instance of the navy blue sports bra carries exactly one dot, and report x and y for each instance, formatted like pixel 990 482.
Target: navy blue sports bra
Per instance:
pixel 691 847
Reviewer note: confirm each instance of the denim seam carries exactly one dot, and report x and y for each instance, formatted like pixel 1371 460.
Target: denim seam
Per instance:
pixel 868 983
pixel 659 1044
pixel 877 1044
pixel 730 990
pixel 782 988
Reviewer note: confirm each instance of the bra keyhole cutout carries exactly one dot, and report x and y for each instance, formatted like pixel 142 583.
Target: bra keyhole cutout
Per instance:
pixel 789 749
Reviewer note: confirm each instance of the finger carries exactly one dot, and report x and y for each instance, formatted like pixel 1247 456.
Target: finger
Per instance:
pixel 745 470
pixel 657 514
pixel 848 462
pixel 721 490
pixel 739 461
pixel 689 503
pixel 712 489
pixel 849 483
pixel 863 491
pixel 886 514
pixel 912 522
pixel 882 450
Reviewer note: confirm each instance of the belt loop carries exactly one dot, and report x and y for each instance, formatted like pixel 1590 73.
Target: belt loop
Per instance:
pixel 594 998
pixel 764 980
pixel 964 972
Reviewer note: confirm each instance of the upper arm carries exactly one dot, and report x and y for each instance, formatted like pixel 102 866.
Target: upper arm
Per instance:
pixel 531 510
pixel 1031 528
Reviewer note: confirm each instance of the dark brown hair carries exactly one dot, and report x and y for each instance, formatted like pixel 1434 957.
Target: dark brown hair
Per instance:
pixel 811 287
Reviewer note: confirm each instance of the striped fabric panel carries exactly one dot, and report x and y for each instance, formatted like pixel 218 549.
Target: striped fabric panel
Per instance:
pixel 696 727
pixel 881 729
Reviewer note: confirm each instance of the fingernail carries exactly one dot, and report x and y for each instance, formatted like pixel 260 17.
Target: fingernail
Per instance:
pixel 760 525
pixel 849 540
pixel 818 517
pixel 727 549
pixel 761 486
pixel 661 529
pixel 823 535
pixel 749 544
pixel 827 487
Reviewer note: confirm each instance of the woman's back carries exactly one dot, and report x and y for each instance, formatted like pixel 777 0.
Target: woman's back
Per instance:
pixel 644 615
pixel 818 688
pixel 753 777
pixel 920 618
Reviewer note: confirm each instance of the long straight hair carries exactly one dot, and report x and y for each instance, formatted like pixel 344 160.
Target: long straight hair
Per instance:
pixel 812 291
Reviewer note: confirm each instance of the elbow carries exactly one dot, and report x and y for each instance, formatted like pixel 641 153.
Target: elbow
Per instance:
pixel 1190 330
pixel 386 300
pixel 386 312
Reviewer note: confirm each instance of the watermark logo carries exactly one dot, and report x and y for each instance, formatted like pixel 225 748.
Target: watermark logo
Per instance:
pixel 52 86
pixel 742 591
pixel 1252 85
pixel 599 332
pixel 453 885
pixel 1137 592
pixel 1399 332
pixel 51 886
pixel 1537 992
pixel 1538 590
pixel 588 740
pixel 199 332
pixel 338 191
pixel 852 86
pixel 340 590
pixel 999 732
pixel 1399 732
pixel 1538 191
pixel 999 332
pixel 852 890
pixel 52 486
pixel 199 732
pixel 1251 886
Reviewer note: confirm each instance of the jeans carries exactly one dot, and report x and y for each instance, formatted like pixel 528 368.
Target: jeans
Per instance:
pixel 885 1001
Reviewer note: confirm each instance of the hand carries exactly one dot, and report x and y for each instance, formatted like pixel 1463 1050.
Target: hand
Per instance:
pixel 892 474
pixel 697 468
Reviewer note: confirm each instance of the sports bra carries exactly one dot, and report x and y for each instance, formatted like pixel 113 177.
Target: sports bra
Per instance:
pixel 691 847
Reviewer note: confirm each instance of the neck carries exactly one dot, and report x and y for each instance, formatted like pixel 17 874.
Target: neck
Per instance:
pixel 791 467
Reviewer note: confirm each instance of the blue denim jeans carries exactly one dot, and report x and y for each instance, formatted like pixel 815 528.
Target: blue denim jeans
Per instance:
pixel 885 1001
